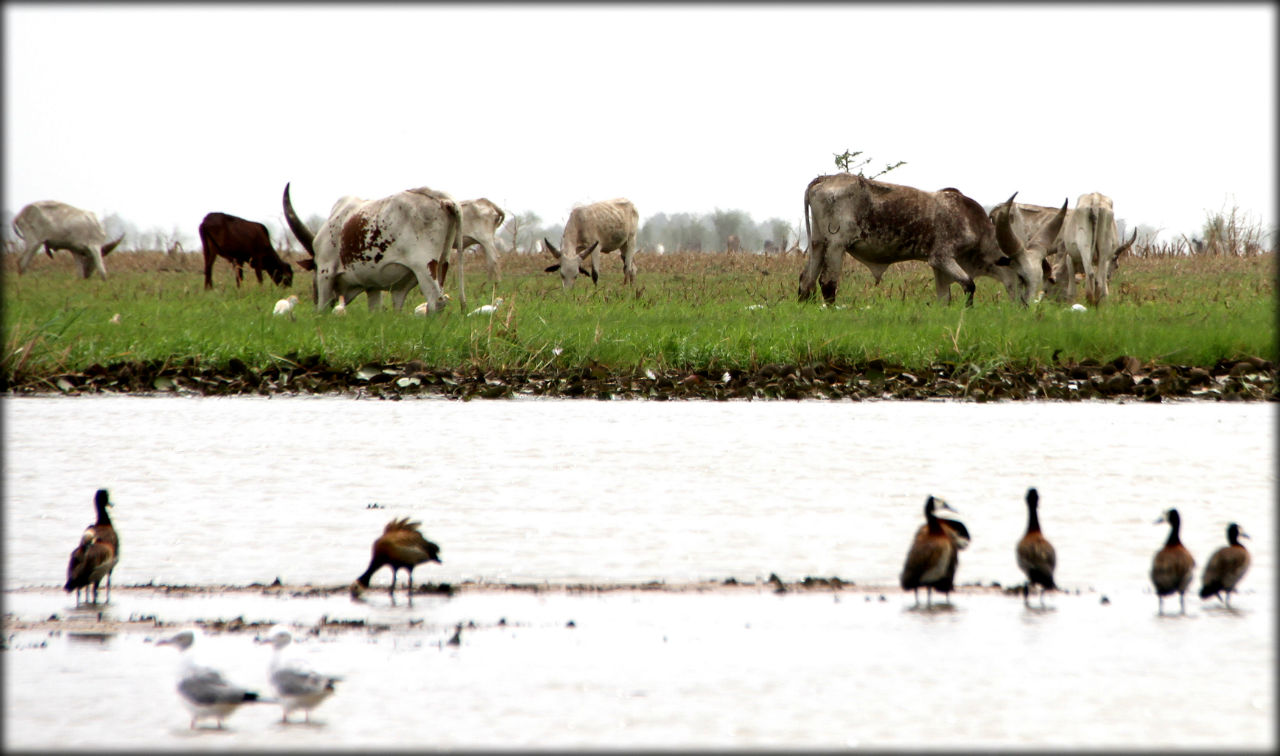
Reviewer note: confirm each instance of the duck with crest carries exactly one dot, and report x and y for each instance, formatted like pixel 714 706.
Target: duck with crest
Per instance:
pixel 96 556
pixel 933 557
pixel 1036 557
pixel 1171 569
pixel 402 546
pixel 1226 567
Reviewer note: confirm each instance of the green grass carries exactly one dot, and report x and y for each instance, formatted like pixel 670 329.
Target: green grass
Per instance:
pixel 687 312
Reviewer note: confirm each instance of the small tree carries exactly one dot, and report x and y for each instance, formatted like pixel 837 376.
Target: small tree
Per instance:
pixel 521 227
pixel 848 163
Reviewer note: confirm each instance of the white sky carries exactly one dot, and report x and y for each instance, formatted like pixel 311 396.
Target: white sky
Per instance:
pixel 164 113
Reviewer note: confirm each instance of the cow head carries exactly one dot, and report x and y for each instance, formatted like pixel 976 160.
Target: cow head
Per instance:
pixel 281 274
pixel 1029 252
pixel 570 265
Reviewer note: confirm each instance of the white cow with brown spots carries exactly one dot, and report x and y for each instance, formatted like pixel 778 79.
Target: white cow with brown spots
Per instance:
pixel 394 243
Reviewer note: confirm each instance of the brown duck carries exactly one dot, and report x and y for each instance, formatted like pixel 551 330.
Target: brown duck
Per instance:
pixel 402 546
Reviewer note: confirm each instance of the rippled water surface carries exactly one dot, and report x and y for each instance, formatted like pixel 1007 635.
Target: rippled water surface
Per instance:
pixel 214 492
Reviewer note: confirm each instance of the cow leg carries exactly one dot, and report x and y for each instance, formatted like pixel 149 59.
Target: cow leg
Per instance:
pixel 491 262
pixel 809 275
pixel 628 262
pixel 832 269
pixel 375 299
pixel 946 270
pixel 258 272
pixel 27 254
pixel 209 257
pixel 239 274
pixel 430 288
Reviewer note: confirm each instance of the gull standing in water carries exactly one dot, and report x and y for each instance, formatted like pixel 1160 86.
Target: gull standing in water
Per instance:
pixel 296 684
pixel 204 690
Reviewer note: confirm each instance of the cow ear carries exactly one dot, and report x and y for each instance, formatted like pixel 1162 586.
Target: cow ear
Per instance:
pixel 587 252
pixel 594 276
pixel 307 263
pixel 1047 269
pixel 552 268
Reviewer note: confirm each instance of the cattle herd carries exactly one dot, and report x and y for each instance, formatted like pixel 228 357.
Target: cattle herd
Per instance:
pixel 399 243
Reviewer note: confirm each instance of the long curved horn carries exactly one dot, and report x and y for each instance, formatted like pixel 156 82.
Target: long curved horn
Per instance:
pixel 1009 242
pixel 300 230
pixel 106 249
pixel 1044 239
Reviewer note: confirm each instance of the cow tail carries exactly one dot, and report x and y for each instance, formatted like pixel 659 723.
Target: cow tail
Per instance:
pixel 455 234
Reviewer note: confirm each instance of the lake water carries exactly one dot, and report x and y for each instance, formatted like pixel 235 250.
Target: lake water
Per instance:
pixel 228 492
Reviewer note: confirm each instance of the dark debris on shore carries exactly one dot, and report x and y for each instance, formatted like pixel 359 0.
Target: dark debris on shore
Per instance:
pixel 1124 378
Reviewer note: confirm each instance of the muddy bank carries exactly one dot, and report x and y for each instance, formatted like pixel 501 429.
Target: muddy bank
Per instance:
pixel 1125 378
pixel 93 619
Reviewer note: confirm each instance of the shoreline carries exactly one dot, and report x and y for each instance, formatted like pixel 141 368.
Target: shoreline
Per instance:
pixel 1124 378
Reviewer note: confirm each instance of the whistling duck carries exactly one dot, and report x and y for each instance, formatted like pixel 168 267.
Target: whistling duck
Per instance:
pixel 1172 566
pixel 1227 565
pixel 204 690
pixel 1036 556
pixel 952 527
pixel 96 556
pixel 402 546
pixel 297 685
pixel 933 557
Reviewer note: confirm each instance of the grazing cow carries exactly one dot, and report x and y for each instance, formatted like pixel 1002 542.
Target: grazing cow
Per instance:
pixel 879 224
pixel 597 228
pixel 1089 244
pixel 771 247
pixel 51 225
pixel 481 219
pixel 1032 231
pixel 733 244
pixel 241 241
pixel 394 243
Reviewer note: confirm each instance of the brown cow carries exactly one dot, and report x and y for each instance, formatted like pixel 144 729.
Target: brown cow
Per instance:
pixel 879 224
pixel 241 241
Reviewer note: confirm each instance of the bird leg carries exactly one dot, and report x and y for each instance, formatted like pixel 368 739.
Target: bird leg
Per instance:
pixel 1026 590
pixel 1182 601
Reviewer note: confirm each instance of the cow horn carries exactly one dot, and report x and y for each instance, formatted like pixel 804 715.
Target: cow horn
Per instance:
pixel 1009 201
pixel 1125 247
pixel 1009 242
pixel 584 254
pixel 1050 230
pixel 300 230
pixel 551 248
pixel 106 249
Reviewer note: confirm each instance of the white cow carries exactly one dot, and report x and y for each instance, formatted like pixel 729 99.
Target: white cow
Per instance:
pixel 1089 244
pixel 56 225
pixel 394 243
pixel 481 219
pixel 1031 232
pixel 599 228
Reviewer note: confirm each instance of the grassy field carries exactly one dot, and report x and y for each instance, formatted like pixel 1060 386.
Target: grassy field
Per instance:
pixel 687 312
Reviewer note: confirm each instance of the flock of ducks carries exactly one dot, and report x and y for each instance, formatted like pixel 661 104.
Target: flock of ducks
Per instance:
pixel 935 554
pixel 931 564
